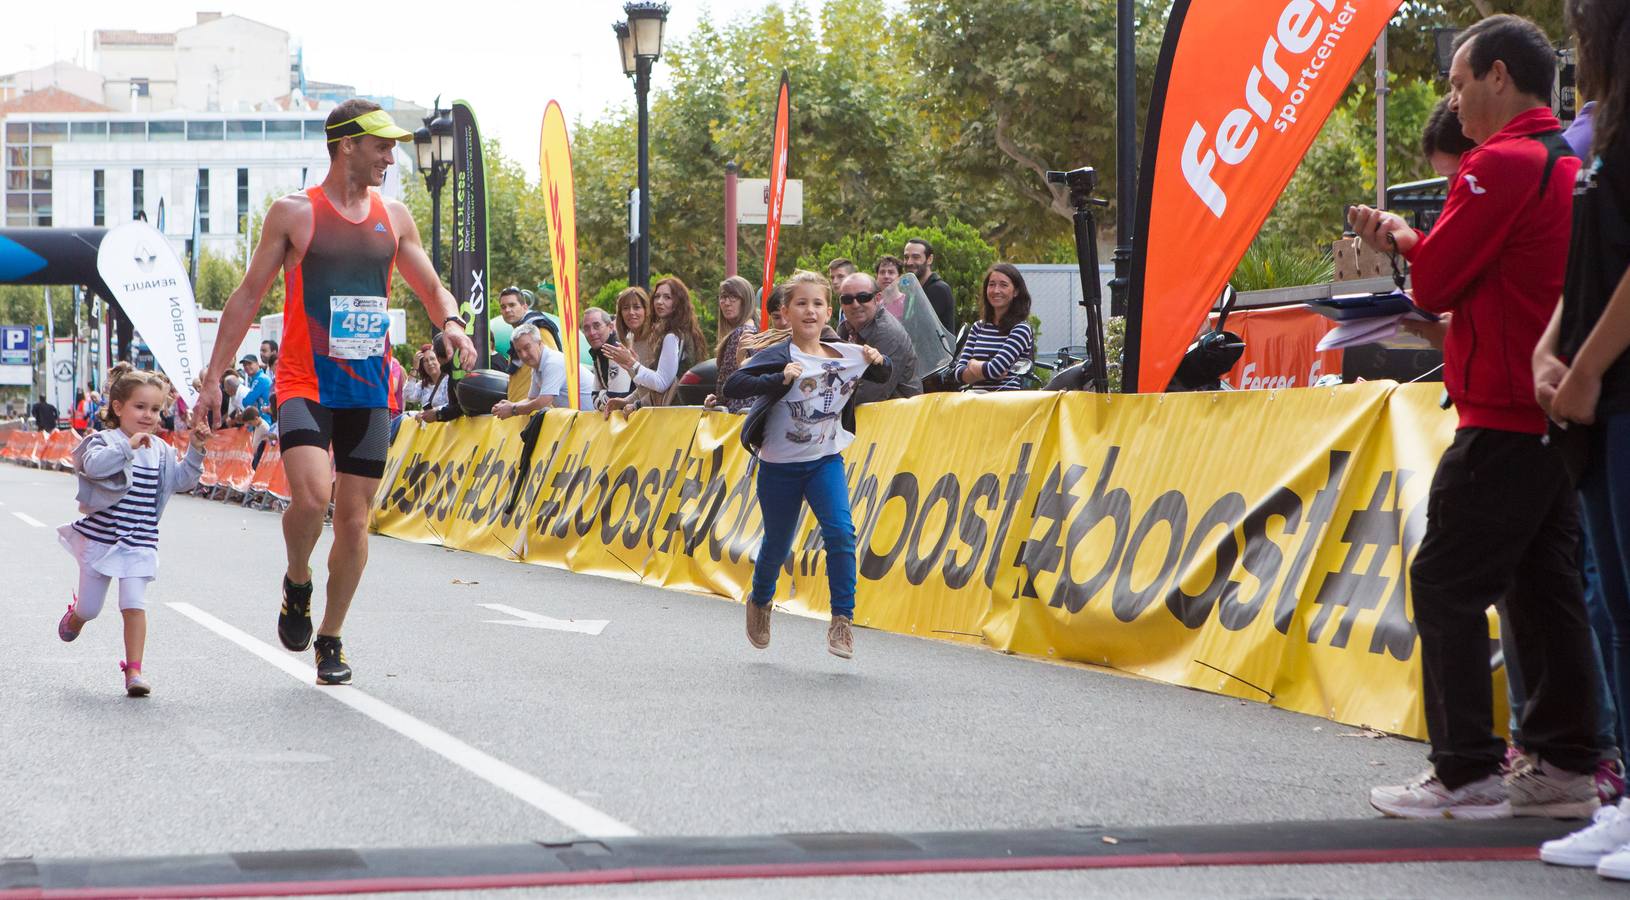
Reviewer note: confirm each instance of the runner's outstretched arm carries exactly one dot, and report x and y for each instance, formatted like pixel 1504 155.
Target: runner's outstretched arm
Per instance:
pixel 421 277
pixel 244 303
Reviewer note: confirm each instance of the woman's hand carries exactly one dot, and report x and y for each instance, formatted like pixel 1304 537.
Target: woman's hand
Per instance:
pixel 428 414
pixel 1548 374
pixel 712 402
pixel 974 373
pixel 1576 398
pixel 615 404
pixel 620 355
pixel 792 372
pixel 871 354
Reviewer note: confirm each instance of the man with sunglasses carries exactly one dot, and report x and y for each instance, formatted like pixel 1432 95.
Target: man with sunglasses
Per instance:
pixel 866 322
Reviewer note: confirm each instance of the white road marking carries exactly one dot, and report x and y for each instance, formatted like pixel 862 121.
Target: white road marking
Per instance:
pixel 28 519
pixel 533 620
pixel 556 803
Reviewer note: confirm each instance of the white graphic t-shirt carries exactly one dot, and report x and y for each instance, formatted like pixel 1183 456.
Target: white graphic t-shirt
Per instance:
pixel 807 423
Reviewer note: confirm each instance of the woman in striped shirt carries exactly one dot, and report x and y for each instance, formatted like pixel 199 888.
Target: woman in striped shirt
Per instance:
pixel 126 475
pixel 1001 337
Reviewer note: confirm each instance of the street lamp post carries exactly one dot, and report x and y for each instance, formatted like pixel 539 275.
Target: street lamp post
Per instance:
pixel 639 42
pixel 433 146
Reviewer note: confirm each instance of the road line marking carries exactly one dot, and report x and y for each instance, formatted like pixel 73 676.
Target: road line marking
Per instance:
pixel 533 620
pixel 28 519
pixel 554 802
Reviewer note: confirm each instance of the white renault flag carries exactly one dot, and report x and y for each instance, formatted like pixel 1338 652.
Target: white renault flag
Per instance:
pixel 151 286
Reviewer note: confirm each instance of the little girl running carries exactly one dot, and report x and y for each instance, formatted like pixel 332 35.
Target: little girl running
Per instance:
pixel 126 475
pixel 800 423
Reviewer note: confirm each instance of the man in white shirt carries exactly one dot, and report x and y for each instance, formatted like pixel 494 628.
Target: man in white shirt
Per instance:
pixel 548 365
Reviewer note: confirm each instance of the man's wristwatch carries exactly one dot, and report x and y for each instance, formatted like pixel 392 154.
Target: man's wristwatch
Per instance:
pixel 459 319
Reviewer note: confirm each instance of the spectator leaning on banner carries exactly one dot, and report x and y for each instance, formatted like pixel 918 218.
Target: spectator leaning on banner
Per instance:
pixel 612 380
pixel 866 322
pixel 919 258
pixel 548 368
pixel 1502 517
pixel 738 318
pixel 1001 337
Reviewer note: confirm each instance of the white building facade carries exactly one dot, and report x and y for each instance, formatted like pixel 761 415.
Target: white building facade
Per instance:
pixel 227 63
pixel 100 169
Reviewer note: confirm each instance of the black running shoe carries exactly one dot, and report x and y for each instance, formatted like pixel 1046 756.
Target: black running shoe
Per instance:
pixel 331 665
pixel 294 619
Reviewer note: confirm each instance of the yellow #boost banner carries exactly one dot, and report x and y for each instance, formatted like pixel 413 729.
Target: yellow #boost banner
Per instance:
pixel 1254 544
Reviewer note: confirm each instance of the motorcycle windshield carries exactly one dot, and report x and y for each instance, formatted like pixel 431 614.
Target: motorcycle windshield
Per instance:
pixel 928 337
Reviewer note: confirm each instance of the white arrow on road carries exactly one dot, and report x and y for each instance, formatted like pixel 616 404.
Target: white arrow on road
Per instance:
pixel 533 620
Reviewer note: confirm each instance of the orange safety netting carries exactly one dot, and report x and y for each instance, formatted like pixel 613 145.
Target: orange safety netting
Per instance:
pixel 269 476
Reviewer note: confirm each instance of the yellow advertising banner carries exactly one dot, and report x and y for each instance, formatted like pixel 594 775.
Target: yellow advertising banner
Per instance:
pixel 1254 544
pixel 560 193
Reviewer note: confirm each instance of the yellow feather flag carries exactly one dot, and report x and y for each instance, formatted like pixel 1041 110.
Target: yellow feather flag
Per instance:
pixel 555 166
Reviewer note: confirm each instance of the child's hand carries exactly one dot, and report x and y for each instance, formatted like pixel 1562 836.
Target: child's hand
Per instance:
pixel 791 372
pixel 200 430
pixel 145 439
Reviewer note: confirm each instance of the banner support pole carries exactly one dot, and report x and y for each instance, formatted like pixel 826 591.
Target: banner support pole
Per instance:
pixel 1126 150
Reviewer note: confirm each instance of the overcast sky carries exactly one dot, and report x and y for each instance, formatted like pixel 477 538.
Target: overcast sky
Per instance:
pixel 507 59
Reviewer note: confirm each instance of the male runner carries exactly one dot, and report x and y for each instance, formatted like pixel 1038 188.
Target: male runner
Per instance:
pixel 336 244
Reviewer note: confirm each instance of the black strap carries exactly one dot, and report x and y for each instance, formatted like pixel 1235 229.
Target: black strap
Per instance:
pixel 1556 148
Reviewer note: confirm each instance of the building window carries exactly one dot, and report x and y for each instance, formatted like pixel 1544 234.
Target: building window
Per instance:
pixel 99 198
pixel 206 131
pixel 245 130
pixel 203 201
pixel 282 130
pixel 243 201
pixel 166 131
pixel 128 131
pixel 140 87
pixel 138 194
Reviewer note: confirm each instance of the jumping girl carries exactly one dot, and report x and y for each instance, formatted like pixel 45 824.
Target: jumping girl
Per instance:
pixel 799 425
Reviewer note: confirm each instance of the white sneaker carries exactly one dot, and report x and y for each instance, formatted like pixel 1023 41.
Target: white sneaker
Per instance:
pixel 1616 865
pixel 1537 788
pixel 1427 798
pixel 1585 848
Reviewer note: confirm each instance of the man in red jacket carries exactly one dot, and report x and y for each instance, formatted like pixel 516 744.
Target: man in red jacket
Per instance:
pixel 1502 517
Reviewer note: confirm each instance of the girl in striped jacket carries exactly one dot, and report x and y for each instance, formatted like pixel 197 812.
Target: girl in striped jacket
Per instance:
pixel 126 475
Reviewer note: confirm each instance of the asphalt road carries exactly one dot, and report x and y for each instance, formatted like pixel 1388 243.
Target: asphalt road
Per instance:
pixel 461 729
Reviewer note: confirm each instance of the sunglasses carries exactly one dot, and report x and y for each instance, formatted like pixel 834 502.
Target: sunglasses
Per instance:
pixel 862 297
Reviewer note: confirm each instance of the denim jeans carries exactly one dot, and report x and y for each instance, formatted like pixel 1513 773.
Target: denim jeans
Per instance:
pixel 782 488
pixel 1605 490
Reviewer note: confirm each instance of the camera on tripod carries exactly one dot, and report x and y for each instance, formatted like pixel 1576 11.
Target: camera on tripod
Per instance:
pixel 1081 182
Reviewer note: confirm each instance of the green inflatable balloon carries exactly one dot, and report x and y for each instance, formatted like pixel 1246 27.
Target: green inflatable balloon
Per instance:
pixel 501 332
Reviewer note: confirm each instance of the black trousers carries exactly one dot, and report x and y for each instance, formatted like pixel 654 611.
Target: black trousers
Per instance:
pixel 1503 521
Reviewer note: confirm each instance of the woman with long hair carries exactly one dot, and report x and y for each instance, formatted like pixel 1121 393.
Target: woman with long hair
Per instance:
pixel 1582 376
pixel 667 345
pixel 738 318
pixel 633 313
pixel 1001 337
pixel 800 423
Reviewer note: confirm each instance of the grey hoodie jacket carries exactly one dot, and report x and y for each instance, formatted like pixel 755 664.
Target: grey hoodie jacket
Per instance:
pixel 104 458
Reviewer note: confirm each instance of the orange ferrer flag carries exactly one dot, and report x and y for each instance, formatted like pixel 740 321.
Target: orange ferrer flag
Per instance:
pixel 1241 91
pixel 555 166
pixel 778 194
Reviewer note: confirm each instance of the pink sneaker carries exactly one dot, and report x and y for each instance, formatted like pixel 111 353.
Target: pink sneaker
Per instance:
pixel 65 629
pixel 135 685
pixel 1609 777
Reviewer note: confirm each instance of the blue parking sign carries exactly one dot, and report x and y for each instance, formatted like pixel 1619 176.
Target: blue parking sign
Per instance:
pixel 16 345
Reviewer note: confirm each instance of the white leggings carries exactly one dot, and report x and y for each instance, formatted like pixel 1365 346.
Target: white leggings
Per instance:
pixel 93 589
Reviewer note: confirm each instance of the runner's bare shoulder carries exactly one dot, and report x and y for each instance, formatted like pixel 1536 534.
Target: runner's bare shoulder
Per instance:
pixel 401 217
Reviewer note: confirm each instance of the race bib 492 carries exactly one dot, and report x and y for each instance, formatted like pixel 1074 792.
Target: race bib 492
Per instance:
pixel 357 327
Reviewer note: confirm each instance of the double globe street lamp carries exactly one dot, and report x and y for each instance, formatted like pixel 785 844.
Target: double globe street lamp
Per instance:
pixel 639 39
pixel 433 148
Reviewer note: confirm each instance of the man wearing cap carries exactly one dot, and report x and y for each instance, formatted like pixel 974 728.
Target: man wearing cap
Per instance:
pixel 336 244
pixel 259 384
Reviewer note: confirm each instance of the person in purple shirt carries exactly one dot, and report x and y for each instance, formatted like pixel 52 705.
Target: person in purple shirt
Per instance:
pixel 1581 130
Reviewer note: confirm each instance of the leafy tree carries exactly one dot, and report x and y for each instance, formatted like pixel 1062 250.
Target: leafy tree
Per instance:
pixel 961 256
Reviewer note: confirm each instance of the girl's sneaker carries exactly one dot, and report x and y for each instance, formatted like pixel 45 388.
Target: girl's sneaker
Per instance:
pixel 1608 831
pixel 135 685
pixel 65 629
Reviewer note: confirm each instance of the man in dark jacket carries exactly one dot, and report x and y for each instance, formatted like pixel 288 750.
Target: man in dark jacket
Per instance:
pixel 865 321
pixel 45 415
pixel 1501 515
pixel 919 258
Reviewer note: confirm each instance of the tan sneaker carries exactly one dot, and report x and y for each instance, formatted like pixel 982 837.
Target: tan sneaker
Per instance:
pixel 840 638
pixel 758 624
pixel 1538 788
